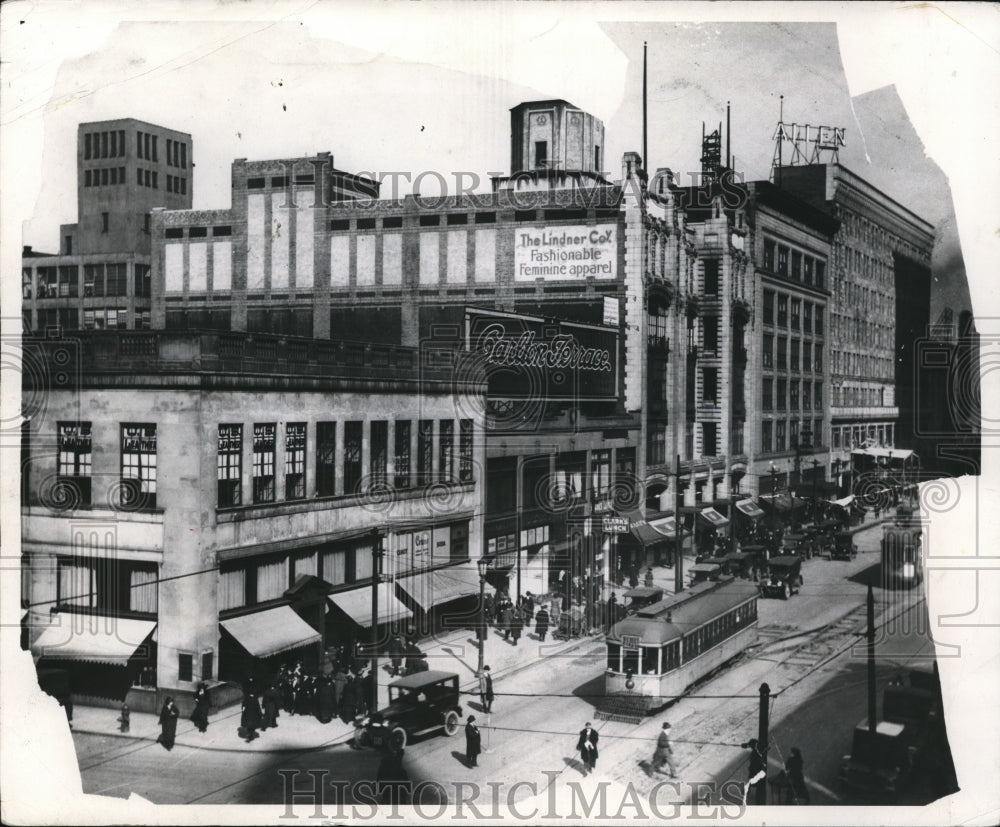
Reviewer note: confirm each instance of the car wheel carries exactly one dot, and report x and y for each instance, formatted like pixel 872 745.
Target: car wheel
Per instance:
pixel 451 723
pixel 397 738
pixel 785 591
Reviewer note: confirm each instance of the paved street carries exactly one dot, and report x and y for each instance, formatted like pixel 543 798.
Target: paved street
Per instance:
pixel 545 693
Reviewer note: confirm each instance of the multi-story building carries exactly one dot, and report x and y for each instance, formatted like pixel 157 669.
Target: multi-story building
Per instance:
pixel 201 506
pixel 880 269
pixel 789 415
pixel 100 278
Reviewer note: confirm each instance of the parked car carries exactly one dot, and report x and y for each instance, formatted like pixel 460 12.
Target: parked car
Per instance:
pixel 700 572
pixel 843 547
pixel 880 762
pixel 783 578
pixel 418 704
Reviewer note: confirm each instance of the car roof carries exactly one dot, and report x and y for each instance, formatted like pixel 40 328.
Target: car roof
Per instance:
pixel 422 679
pixel 784 561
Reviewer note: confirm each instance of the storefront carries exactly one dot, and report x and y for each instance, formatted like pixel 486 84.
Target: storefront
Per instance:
pixel 257 643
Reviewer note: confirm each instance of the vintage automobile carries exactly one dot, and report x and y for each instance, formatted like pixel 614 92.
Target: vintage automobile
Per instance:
pixel 880 762
pixel 642 596
pixel 739 564
pixel 700 572
pixel 843 547
pixel 418 704
pixel 783 577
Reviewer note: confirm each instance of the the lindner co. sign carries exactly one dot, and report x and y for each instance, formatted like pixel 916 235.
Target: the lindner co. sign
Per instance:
pixel 527 357
pixel 573 252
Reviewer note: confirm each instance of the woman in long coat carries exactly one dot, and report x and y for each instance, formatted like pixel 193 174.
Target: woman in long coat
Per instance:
pixel 201 703
pixel 250 716
pixel 272 702
pixel 168 723
pixel 473 741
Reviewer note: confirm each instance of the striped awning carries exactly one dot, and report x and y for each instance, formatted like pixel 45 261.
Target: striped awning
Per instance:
pixel 271 631
pixel 112 640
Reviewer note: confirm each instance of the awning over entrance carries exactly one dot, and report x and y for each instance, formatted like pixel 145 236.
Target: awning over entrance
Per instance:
pixel 713 518
pixel 357 604
pixel 271 631
pixel 93 639
pixel 749 508
pixel 432 588
pixel 642 531
pixel 667 526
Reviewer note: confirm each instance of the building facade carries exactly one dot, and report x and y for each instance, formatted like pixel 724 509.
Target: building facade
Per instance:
pixel 203 506
pixel 881 270
pixel 100 279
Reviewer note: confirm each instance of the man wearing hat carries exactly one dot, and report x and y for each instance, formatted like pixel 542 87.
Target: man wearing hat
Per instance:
pixel 472 742
pixel 486 689
pixel 664 753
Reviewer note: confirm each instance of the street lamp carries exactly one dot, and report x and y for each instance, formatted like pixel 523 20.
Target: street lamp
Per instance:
pixel 482 564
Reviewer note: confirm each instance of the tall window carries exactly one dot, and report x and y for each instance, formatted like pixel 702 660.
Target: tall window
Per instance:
pixel 138 466
pixel 74 458
pixel 711 276
pixel 793 394
pixel 807 396
pixel 819 320
pixel 425 451
pixel 379 452
pixel 295 460
pixel 796 313
pixel 352 456
pixel 782 394
pixel 767 402
pixel 783 261
pixel 326 459
pixel 768 307
pixel 818 367
pixel 263 462
pixel 794 355
pixel 710 385
pixel 768 351
pixel 465 450
pixel 656 446
pixel 782 310
pixel 818 396
pixel 600 465
pixel 806 357
pixel 446 450
pixel 709 439
pixel 796 265
pixel 402 472
pixel 782 357
pixel 779 436
pixel 230 465
pixel 807 270
pixel 710 333
pixel 541 154
pixel 807 317
pixel 769 250
pixel 767 436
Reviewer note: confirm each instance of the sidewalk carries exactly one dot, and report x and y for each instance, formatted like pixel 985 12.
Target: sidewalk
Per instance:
pixel 454 651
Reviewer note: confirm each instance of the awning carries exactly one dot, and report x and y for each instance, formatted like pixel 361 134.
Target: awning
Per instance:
pixel 667 526
pixel 750 509
pixel 271 631
pixel 845 502
pixel 432 588
pixel 357 604
pixel 93 639
pixel 713 518
pixel 641 530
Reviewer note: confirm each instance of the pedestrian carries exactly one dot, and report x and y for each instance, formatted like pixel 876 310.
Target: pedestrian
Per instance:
pixel 339 682
pixel 757 771
pixel 664 753
pixel 587 745
pixel 271 703
pixel 489 608
pixel 168 723
pixel 250 715
pixel 473 741
pixel 326 702
pixel 486 689
pixel 507 619
pixel 201 704
pixel 529 605
pixel 348 700
pixel 396 654
pixel 542 622
pixel 795 772
pixel 516 625
pixel 633 577
pixel 612 611
pixel 647 581
pixel 125 718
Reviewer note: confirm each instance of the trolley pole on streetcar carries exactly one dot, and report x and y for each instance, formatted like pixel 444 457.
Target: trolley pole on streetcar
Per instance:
pixel 679 525
pixel 760 793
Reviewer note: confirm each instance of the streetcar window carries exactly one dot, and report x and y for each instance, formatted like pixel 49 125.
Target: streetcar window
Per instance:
pixel 650 666
pixel 632 660
pixel 614 657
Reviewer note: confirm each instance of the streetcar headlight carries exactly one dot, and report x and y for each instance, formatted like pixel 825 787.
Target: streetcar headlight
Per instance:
pixel 909 569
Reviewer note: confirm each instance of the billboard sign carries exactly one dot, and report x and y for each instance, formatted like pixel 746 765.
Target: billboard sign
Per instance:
pixel 526 357
pixel 567 253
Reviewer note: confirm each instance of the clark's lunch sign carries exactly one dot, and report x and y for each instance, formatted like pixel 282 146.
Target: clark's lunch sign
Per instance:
pixel 527 357
pixel 573 252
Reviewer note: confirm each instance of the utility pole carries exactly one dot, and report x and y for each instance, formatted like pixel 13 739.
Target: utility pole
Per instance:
pixel 645 147
pixel 678 523
pixel 871 662
pixel 760 794
pixel 376 581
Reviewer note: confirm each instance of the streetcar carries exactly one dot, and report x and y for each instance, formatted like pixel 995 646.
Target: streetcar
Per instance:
pixel 666 647
pixel 902 564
